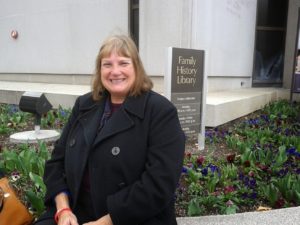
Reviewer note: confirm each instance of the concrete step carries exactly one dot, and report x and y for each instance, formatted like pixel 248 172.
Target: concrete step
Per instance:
pixel 57 94
pixel 225 106
pixel 221 107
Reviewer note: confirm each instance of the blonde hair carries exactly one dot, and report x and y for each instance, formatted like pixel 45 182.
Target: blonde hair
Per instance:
pixel 123 46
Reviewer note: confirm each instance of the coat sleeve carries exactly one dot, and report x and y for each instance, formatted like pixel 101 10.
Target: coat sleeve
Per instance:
pixel 54 176
pixel 154 191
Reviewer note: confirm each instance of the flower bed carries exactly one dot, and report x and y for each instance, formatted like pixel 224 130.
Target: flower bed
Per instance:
pixel 261 169
pixel 247 164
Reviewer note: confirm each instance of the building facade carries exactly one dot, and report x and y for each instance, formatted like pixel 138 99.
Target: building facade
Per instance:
pixel 57 41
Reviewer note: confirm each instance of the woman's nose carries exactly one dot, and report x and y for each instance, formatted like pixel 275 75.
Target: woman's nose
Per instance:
pixel 116 70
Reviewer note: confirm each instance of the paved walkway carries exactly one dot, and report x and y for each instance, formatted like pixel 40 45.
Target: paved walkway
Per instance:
pixel 288 216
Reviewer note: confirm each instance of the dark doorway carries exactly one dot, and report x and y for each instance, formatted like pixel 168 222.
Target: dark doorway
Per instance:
pixel 270 35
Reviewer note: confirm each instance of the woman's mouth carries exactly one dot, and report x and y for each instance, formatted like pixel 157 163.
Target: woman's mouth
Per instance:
pixel 117 81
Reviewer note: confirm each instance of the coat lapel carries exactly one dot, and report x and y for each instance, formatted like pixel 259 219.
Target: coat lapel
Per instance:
pixel 120 121
pixel 90 121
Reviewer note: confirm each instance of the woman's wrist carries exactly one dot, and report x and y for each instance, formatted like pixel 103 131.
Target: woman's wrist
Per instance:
pixel 62 201
pixel 59 212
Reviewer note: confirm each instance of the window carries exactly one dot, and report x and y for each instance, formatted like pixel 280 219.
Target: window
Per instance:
pixel 270 42
pixel 134 20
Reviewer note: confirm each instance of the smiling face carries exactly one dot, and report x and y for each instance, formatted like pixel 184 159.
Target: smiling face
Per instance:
pixel 117 76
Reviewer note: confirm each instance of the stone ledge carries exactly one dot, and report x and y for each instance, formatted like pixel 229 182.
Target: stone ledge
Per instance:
pixel 221 107
pixel 225 106
pixel 58 94
pixel 287 216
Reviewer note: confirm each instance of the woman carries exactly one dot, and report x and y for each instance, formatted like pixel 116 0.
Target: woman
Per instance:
pixel 120 155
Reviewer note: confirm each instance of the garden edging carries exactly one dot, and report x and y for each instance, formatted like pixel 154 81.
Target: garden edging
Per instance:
pixel 286 216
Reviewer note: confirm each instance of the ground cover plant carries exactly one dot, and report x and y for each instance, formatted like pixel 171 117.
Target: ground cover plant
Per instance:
pixel 246 164
pixel 259 165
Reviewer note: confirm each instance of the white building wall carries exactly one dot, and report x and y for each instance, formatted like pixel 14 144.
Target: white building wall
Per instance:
pixel 63 36
pixel 57 36
pixel 161 24
pixel 233 34
pixel 225 29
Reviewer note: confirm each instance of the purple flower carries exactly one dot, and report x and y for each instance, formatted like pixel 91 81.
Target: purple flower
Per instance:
pixel 265 118
pixel 252 183
pixel 287 132
pixel 241 176
pixel 283 172
pixel 213 168
pixel 62 113
pixel 291 151
pixel 253 195
pixel 208 134
pixel 184 170
pixel 204 171
pixel 13 109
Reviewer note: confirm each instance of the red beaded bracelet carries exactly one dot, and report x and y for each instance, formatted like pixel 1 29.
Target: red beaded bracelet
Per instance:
pixel 59 212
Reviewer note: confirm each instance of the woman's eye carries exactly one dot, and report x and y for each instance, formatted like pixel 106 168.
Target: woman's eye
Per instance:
pixel 106 64
pixel 124 63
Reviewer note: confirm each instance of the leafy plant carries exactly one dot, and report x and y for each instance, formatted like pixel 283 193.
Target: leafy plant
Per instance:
pixel 25 167
pixel 12 119
pixel 56 118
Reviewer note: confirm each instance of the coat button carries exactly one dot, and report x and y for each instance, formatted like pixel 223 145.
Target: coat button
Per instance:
pixel 115 151
pixel 72 142
pixel 121 185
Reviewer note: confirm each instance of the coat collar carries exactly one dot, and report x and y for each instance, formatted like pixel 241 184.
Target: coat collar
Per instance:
pixel 132 104
pixel 87 103
pixel 136 105
pixel 91 115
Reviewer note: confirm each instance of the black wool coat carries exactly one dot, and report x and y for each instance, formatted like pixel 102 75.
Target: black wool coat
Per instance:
pixel 134 161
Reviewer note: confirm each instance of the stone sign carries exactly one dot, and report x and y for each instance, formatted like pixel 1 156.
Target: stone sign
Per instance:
pixel 184 87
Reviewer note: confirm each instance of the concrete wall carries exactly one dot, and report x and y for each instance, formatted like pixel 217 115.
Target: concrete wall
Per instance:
pixel 227 33
pixel 63 36
pixel 225 29
pixel 57 36
pixel 291 42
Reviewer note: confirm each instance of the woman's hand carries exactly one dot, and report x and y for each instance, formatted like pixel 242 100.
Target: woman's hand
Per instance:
pixel 64 214
pixel 105 220
pixel 67 218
